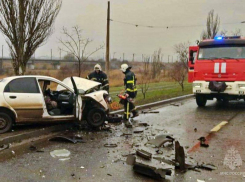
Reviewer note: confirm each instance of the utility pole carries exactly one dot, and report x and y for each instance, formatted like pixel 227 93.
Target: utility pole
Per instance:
pixel 60 54
pixel 168 58
pixel 51 55
pixel 107 63
pixel 123 56
pixel 133 57
pixel 1 65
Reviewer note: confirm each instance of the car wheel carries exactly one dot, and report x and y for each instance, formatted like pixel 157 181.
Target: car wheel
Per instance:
pixel 201 100
pixel 6 122
pixel 96 117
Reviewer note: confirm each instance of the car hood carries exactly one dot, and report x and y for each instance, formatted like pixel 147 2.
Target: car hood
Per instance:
pixel 81 83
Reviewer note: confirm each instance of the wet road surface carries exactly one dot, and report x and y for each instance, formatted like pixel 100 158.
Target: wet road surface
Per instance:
pixel 91 161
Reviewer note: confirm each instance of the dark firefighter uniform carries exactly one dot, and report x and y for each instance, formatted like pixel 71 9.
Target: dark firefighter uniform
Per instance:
pixel 100 77
pixel 131 90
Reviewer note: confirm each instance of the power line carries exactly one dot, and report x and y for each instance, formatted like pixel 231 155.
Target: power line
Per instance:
pixel 167 27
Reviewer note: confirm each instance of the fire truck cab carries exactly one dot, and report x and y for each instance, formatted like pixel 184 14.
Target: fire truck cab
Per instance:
pixel 217 69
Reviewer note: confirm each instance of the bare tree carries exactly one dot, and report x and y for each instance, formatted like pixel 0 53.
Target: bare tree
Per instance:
pixel 212 24
pixel 178 73
pixel 223 32
pixel 145 76
pixel 76 45
pixel 182 49
pixel 26 24
pixel 156 64
pixel 237 32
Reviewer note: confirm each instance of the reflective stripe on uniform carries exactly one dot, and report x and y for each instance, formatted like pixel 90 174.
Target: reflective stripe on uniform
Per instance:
pixel 130 81
pixel 131 90
pixel 128 110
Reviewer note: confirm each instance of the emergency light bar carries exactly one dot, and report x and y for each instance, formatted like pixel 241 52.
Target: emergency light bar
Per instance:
pixel 227 37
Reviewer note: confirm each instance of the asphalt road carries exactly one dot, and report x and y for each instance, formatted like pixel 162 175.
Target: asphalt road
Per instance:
pixel 91 161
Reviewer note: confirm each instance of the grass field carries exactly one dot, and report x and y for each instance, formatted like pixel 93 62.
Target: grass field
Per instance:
pixel 157 91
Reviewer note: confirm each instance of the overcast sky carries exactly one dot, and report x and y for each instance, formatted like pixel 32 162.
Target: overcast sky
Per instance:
pixel 90 15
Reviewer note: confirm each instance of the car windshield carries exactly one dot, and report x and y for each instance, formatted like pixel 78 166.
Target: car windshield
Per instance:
pixel 221 52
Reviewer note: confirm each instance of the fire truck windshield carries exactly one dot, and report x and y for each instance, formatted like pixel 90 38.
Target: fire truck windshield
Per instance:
pixel 221 52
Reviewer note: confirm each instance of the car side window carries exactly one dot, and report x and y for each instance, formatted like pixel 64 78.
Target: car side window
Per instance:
pixel 22 85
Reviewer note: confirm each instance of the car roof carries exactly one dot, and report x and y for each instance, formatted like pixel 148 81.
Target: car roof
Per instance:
pixel 28 76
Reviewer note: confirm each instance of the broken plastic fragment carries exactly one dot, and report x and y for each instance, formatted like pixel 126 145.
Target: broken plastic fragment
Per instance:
pixel 60 153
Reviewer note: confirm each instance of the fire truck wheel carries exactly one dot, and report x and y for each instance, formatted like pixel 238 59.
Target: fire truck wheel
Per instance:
pixel 201 100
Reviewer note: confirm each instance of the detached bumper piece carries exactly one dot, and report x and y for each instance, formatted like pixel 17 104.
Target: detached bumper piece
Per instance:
pixel 151 171
pixel 217 86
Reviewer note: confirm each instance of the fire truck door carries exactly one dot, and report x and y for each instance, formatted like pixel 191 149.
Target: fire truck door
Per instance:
pixel 191 62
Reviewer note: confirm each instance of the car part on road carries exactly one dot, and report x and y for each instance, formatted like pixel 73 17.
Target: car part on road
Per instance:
pixel 203 142
pixel 71 139
pixel 4 147
pixel 6 122
pixel 149 112
pixel 114 118
pixel 131 159
pixel 161 140
pixel 138 130
pixel 179 156
pixel 96 117
pixel 151 171
pixel 60 153
pixel 209 167
pixel 110 145
pixel 144 154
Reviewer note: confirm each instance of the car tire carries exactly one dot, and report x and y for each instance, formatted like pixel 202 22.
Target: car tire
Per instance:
pixel 96 117
pixel 201 100
pixel 6 122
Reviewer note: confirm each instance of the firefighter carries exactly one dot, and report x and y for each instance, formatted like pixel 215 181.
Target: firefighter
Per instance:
pixel 99 76
pixel 131 92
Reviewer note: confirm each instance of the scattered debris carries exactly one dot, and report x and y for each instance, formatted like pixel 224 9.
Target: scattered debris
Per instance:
pixel 198 180
pixel 160 140
pixel 4 147
pixel 131 160
pixel 138 130
pixel 195 129
pixel 114 118
pixel 109 174
pixel 148 112
pixel 144 154
pixel 203 142
pixel 209 167
pixel 64 159
pixel 179 156
pixel 60 153
pixel 151 171
pixel 71 139
pixel 110 145
pixel 143 124
pixel 81 167
pixel 159 151
pixel 33 148
pixel 176 104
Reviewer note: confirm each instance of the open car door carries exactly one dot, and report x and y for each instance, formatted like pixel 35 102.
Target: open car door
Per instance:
pixel 78 102
pixel 191 62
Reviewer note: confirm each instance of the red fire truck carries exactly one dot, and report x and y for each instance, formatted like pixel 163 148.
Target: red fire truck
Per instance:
pixel 217 69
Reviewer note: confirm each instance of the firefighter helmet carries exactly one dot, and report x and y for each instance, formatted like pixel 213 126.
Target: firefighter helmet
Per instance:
pixel 124 67
pixel 97 67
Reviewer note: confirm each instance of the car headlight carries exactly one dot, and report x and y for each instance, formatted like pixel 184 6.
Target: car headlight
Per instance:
pixel 197 85
pixel 242 86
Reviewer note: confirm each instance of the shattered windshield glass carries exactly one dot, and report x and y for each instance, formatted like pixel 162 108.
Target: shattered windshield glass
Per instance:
pixel 222 52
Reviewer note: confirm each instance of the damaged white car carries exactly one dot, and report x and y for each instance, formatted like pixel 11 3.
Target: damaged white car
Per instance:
pixel 25 99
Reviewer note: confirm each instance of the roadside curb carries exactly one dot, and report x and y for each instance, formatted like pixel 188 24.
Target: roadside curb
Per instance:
pixel 32 134
pixel 158 103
